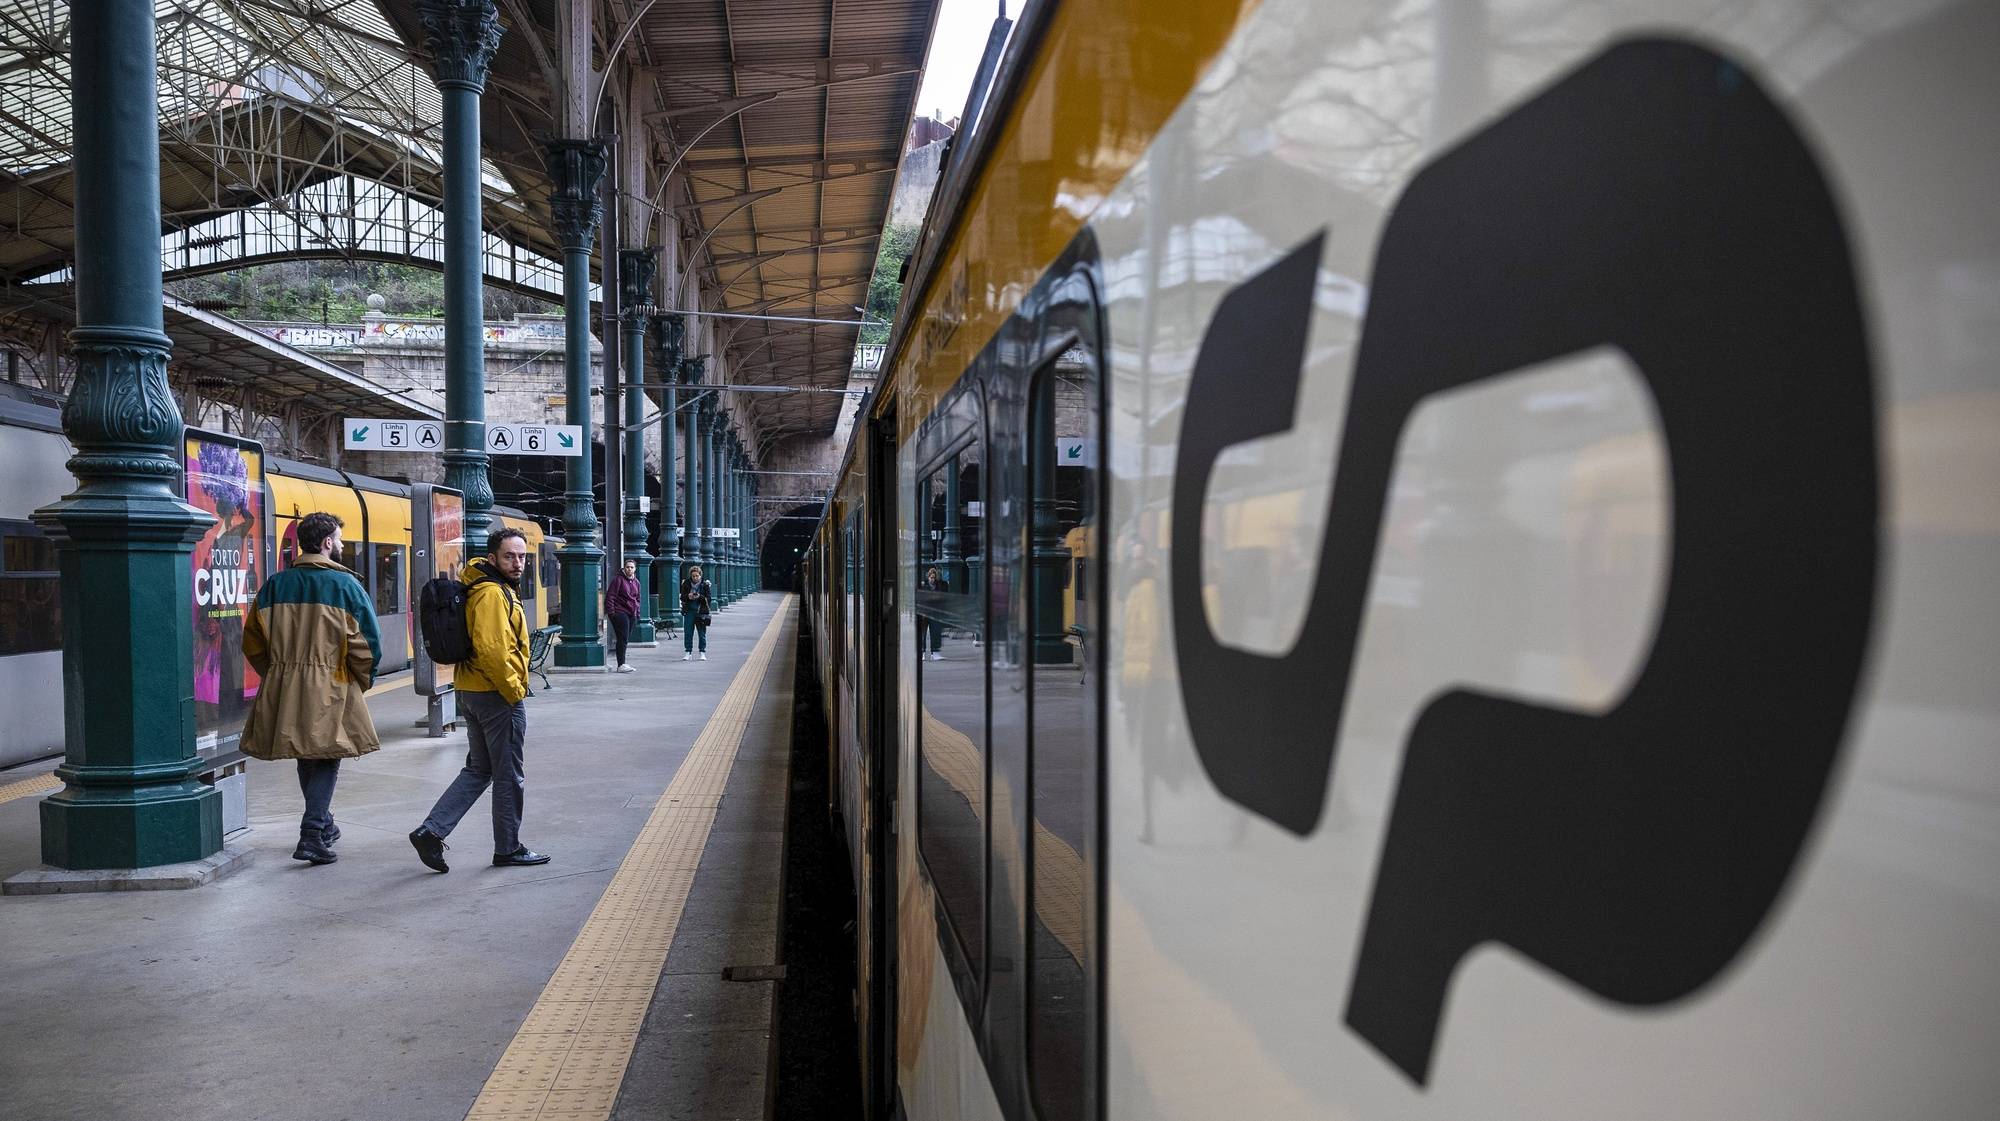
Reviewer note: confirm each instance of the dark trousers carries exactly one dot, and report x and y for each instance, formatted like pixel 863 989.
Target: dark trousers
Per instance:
pixel 316 779
pixel 495 734
pixel 621 633
pixel 688 632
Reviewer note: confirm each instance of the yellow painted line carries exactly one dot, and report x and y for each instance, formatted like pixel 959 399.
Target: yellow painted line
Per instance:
pixel 1058 870
pixel 392 686
pixel 40 784
pixel 569 1057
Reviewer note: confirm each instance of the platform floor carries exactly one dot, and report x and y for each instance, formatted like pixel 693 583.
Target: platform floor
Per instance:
pixel 376 990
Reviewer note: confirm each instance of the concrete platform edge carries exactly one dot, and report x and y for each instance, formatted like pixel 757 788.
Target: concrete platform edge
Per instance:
pixel 164 877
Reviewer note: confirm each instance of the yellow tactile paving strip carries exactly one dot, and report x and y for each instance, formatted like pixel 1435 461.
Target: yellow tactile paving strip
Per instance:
pixel 391 686
pixel 569 1057
pixel 40 784
pixel 1058 869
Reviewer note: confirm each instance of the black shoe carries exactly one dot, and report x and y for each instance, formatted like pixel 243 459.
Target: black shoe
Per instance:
pixel 329 835
pixel 521 857
pixel 312 849
pixel 430 849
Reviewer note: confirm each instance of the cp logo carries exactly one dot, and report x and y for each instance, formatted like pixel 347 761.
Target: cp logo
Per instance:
pixel 1657 201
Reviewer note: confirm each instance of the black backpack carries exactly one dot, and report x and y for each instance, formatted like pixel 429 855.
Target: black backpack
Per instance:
pixel 441 618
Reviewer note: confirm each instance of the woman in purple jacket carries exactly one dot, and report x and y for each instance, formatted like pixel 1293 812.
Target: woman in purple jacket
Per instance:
pixel 621 603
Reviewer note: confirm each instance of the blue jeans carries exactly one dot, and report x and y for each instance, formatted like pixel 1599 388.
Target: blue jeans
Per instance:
pixel 316 779
pixel 688 633
pixel 495 734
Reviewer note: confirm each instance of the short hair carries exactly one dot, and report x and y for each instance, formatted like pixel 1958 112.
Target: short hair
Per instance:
pixel 494 539
pixel 315 528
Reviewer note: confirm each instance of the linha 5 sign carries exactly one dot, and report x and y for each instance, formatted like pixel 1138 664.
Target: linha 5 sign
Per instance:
pixel 379 435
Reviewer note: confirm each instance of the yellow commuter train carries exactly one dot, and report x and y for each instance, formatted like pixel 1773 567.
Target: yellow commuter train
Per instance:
pixel 1526 474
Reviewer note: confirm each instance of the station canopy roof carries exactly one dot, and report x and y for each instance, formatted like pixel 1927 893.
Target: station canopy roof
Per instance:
pixel 785 119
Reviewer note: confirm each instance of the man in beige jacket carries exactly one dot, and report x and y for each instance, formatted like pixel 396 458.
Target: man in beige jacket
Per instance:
pixel 311 636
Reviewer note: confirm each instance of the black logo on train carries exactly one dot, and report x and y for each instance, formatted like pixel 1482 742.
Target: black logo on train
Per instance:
pixel 1657 201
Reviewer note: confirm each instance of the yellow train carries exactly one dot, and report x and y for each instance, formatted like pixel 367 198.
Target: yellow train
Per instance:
pixel 1525 473
pixel 377 537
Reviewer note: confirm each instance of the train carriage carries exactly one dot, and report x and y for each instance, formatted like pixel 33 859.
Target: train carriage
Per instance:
pixel 1517 481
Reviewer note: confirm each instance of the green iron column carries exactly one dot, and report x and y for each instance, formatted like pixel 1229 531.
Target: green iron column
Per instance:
pixel 123 539
pixel 736 575
pixel 746 553
pixel 733 547
pixel 578 167
pixel 667 570
pixel 719 423
pixel 461 36
pixel 757 537
pixel 635 283
pixel 691 553
pixel 1048 560
pixel 736 516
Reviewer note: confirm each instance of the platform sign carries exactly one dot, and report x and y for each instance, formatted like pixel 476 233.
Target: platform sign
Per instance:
pixel 374 434
pixel 726 533
pixel 533 439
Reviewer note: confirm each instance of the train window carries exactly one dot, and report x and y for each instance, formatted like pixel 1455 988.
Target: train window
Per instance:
pixel 852 578
pixel 30 593
pixel 529 580
pixel 1064 571
pixel 548 566
pixel 389 580
pixel 951 687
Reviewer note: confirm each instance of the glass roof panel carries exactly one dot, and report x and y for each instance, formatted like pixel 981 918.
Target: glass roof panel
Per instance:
pixel 340 57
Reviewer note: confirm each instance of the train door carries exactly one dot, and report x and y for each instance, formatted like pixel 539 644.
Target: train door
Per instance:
pixel 883 627
pixel 382 563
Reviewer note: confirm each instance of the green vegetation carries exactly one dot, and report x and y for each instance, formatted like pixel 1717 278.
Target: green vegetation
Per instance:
pixel 336 292
pixel 885 291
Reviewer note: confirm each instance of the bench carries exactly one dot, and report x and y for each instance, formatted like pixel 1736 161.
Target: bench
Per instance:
pixel 540 642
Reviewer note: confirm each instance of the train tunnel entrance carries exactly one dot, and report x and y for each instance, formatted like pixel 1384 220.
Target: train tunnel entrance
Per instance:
pixel 786 542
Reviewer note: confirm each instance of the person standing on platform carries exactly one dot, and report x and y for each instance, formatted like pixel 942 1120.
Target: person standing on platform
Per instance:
pixel 934 581
pixel 311 636
pixel 621 605
pixel 696 595
pixel 492 687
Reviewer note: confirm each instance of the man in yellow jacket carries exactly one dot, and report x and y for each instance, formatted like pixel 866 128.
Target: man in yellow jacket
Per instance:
pixel 491 687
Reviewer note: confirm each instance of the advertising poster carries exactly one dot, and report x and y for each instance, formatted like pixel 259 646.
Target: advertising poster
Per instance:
pixel 448 518
pixel 440 551
pixel 225 477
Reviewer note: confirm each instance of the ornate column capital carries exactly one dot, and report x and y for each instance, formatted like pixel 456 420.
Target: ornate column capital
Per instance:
pixel 635 283
pixel 120 414
pixel 577 167
pixel 460 36
pixel 694 368
pixel 671 332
